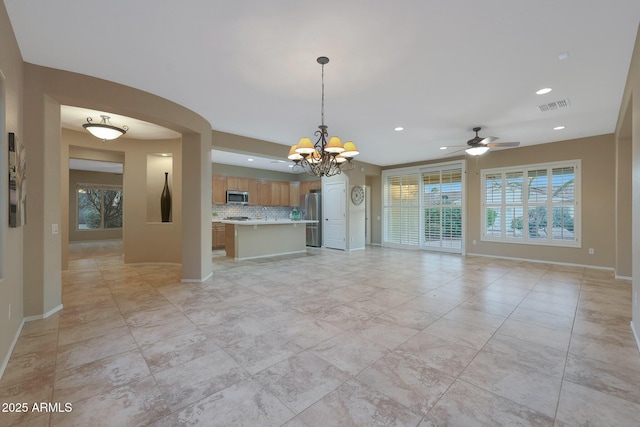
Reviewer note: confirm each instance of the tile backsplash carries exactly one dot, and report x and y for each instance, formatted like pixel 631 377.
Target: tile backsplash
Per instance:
pixel 273 212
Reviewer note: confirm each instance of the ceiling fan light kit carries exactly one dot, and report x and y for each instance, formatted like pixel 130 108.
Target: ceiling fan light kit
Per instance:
pixel 328 156
pixel 478 145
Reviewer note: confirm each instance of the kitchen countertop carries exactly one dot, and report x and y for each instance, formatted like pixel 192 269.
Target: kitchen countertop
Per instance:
pixel 268 222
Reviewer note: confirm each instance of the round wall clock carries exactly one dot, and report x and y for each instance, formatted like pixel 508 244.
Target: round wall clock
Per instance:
pixel 357 195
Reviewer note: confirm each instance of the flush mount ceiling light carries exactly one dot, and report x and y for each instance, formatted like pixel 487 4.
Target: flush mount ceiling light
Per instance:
pixel 543 91
pixel 558 128
pixel 399 129
pixel 324 158
pixel 104 130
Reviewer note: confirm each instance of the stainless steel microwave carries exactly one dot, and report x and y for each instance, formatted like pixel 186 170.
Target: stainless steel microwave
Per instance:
pixel 237 197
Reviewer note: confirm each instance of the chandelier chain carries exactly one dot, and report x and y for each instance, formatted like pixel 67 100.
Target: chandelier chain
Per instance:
pixel 328 156
pixel 322 105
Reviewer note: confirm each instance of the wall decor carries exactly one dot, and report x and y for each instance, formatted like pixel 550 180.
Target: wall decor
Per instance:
pixel 165 200
pixel 17 182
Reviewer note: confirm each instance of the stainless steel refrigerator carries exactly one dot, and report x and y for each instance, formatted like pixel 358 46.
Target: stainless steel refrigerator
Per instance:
pixel 311 205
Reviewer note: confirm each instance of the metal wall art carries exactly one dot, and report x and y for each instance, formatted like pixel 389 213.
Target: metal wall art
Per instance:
pixel 17 182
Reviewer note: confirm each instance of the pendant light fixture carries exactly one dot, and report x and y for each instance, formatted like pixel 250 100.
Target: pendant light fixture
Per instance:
pixel 328 156
pixel 104 130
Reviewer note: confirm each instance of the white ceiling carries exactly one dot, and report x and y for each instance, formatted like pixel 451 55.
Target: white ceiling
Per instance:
pixel 74 117
pixel 96 166
pixel 436 68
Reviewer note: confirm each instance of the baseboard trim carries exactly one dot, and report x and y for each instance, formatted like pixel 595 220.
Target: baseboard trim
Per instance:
pixel 45 315
pixel 204 279
pixel 540 261
pixel 635 335
pixel 623 278
pixel 5 362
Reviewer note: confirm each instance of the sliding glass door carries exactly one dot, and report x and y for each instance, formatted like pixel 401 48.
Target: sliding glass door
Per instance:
pixel 442 209
pixel 424 207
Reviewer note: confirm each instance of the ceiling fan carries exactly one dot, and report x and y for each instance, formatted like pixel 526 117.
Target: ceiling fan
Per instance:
pixel 478 145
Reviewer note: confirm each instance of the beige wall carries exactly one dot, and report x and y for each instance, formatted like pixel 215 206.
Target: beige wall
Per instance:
pixel 597 155
pixel 375 182
pixel 45 90
pixel 11 239
pixel 87 177
pixel 598 158
pixel 145 237
pixel 628 127
pixel 230 170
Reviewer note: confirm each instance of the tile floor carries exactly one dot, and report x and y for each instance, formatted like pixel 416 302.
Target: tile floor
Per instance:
pixel 390 338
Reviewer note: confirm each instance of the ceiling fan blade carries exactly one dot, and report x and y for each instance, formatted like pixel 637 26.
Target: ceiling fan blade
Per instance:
pixel 489 140
pixel 503 144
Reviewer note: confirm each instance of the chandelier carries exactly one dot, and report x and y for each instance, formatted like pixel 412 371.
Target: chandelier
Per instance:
pixel 328 156
pixel 104 130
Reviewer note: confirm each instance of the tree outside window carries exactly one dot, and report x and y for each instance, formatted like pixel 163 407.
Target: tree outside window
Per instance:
pixel 99 207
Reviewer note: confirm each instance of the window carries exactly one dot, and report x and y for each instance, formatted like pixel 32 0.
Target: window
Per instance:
pixel 533 204
pixel 442 204
pixel 402 209
pixel 99 207
pixel 423 207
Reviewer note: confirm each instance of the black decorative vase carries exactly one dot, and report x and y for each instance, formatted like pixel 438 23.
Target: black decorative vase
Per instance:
pixel 165 200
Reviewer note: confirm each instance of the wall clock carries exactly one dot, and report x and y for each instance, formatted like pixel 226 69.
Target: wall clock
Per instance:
pixel 357 195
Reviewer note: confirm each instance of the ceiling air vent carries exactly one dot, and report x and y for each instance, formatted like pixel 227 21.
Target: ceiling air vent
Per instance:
pixel 554 105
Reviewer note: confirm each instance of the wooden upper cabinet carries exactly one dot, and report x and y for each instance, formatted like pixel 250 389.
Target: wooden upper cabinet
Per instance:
pixel 284 194
pixel 254 192
pixel 219 189
pixel 265 193
pixel 237 183
pixel 262 192
pixel 307 186
pixel 294 194
pixel 279 193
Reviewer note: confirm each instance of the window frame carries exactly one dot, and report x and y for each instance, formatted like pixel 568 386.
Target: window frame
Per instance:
pixel 417 172
pixel 102 188
pixel 504 204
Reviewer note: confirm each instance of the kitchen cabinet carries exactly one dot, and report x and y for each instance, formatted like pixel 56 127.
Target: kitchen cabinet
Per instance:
pixel 217 235
pixel 237 183
pixel 294 194
pixel 219 189
pixel 262 192
pixel 254 192
pixel 307 186
pixel 265 193
pixel 279 193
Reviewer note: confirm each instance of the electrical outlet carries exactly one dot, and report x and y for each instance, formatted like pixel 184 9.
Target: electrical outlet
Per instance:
pixel 54 228
pixel 592 251
pixel 474 242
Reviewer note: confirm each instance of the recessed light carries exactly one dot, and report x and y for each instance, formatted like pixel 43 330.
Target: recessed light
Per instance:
pixel 543 91
pixel 250 160
pixel 398 129
pixel 558 128
pixel 443 148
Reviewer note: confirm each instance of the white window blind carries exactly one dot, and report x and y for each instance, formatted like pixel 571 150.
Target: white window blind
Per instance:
pixel 442 204
pixel 402 210
pixel 533 204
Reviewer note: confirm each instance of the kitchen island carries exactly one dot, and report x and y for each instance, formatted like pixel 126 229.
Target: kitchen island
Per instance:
pixel 259 238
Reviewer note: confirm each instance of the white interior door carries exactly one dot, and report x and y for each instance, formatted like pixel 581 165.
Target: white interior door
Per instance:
pixel 335 215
